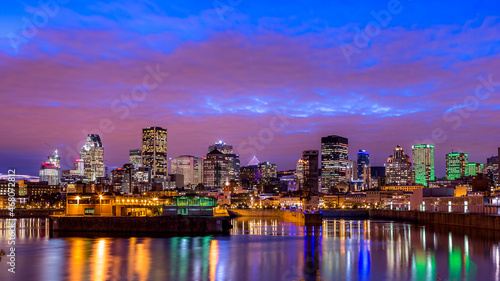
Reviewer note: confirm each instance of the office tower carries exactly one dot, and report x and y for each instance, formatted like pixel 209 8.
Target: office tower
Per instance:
pixel 423 163
pixel 456 164
pixel 50 171
pixel 258 174
pixel 334 161
pixel 122 179
pixel 474 169
pixel 249 176
pixel 311 173
pixel 154 151
pixel 299 173
pixel 92 154
pixel 492 168
pixel 364 170
pixel 222 147
pixel 398 168
pixel 54 159
pixel 188 166
pixel 135 157
pixel 216 166
pixel 352 171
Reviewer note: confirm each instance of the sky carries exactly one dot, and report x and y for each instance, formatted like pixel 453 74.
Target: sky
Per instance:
pixel 269 78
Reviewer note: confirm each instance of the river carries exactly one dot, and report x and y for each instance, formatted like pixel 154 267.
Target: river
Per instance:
pixel 259 249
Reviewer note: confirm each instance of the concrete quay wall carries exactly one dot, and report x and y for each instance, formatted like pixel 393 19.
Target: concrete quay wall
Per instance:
pixel 254 213
pixel 164 224
pixel 30 213
pixel 456 219
pixel 354 214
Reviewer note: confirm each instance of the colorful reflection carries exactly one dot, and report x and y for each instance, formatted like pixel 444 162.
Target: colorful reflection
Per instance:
pixel 266 249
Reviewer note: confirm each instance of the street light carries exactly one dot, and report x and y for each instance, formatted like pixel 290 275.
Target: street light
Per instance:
pixel 77 205
pixel 100 205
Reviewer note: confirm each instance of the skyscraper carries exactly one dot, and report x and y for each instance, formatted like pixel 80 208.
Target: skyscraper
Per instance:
pixel 364 171
pixel 456 164
pixel 473 169
pixel 299 173
pixel 92 154
pixel 216 166
pixel 398 168
pixel 188 166
pixel 492 168
pixel 334 157
pixel 154 151
pixel 50 171
pixel 234 167
pixel 135 157
pixel 311 173
pixel 423 163
pixel 222 147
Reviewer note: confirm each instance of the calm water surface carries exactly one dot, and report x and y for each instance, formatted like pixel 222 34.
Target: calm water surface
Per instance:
pixel 261 249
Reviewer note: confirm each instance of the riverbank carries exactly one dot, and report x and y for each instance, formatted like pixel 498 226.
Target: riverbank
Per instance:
pixel 158 225
pixel 455 219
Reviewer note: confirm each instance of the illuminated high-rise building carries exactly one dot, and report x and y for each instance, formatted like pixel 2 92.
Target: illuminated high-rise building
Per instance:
pixel 50 171
pixel 473 169
pixel 311 172
pixel 334 161
pixel 188 166
pixel 154 151
pixel 92 154
pixel 135 157
pixel 299 173
pixel 222 147
pixel 456 165
pixel 492 168
pixel 364 171
pixel 423 163
pixel 398 168
pixel 216 166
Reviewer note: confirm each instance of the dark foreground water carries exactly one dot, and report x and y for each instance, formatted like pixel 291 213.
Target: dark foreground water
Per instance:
pixel 261 249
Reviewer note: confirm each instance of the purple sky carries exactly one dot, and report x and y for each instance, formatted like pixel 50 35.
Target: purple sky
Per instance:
pixel 230 75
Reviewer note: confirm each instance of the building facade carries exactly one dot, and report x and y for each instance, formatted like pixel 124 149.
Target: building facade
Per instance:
pixel 456 165
pixel 311 170
pixel 154 151
pixel 492 168
pixel 222 147
pixel 423 163
pixel 190 167
pixel 50 171
pixel 398 168
pixel 92 154
pixel 364 169
pixel 219 168
pixel 334 161
pixel 135 157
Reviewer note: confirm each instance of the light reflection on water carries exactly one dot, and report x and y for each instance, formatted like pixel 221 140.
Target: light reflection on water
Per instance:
pixel 262 249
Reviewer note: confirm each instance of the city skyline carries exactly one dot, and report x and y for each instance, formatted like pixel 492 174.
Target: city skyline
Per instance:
pixel 192 75
pixel 219 142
